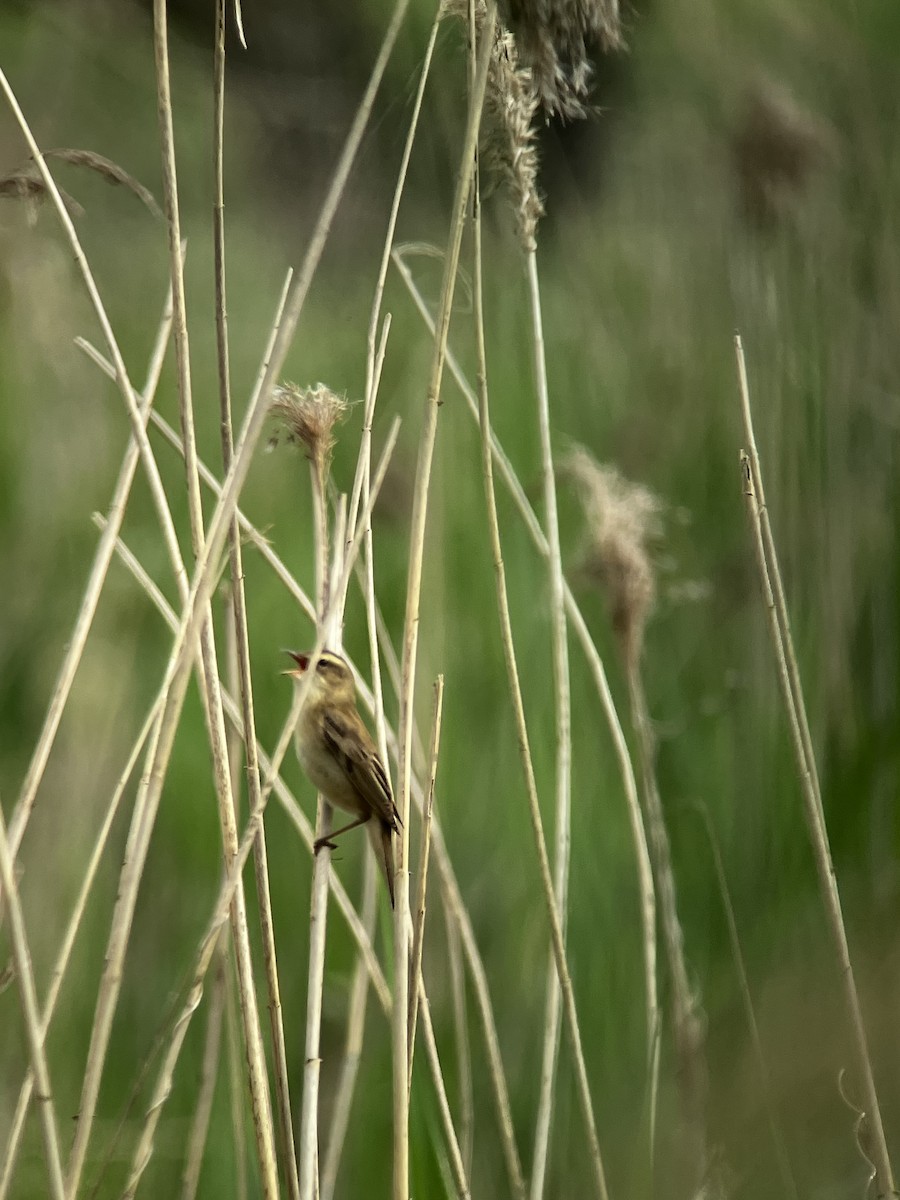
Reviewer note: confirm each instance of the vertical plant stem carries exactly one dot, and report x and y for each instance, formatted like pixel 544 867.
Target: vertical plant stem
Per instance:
pixel 463 1047
pixel 33 1029
pixel 356 1021
pixel 91 597
pixel 256 1065
pixel 595 663
pixel 411 621
pixel 563 837
pixel 456 1161
pixel 415 967
pixel 779 631
pixel 781 1154
pixel 556 930
pixel 62 959
pixel 239 617
pixel 309 1112
pixel 687 1020
pixel 209 1072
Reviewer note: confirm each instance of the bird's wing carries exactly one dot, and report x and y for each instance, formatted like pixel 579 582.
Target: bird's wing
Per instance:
pixel 356 755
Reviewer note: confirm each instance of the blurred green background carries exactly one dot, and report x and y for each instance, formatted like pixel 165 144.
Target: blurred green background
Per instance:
pixel 741 174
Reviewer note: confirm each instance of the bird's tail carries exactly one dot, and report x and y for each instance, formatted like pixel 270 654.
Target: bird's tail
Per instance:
pixel 380 837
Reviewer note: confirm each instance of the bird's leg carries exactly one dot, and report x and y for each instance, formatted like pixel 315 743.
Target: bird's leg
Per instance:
pixel 327 841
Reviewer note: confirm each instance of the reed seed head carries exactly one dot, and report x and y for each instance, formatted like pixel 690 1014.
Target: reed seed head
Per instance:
pixel 621 518
pixel 555 39
pixel 308 417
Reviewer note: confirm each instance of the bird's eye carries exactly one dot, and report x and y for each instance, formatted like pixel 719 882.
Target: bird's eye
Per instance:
pixel 321 666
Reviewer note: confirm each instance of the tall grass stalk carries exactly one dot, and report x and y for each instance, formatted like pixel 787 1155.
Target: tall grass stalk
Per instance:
pixel 507 473
pixel 411 620
pixel 34 1031
pixel 239 615
pixel 506 634
pixel 792 697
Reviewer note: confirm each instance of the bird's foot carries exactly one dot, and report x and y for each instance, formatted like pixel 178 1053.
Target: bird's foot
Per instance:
pixel 321 843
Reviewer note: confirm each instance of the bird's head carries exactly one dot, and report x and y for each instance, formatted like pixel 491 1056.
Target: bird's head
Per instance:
pixel 332 679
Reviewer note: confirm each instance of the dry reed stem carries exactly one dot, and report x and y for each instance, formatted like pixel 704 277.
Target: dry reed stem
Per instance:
pixel 457 1165
pixel 522 504
pixel 509 653
pixel 239 615
pixel 309 1110
pixel 174 684
pixel 236 1084
pixel 161 741
pixel 34 1031
pixel 91 597
pixel 260 1101
pixel 781 1153
pixel 687 1017
pixel 209 1070
pixel 463 1047
pixel 563 834
pixel 411 619
pixel 61 963
pixel 144 1149
pixel 780 634
pixel 356 1022
pixel 285 797
pixel 449 884
pixel 457 913
pixel 418 940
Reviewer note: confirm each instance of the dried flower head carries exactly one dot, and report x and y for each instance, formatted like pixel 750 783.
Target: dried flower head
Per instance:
pixel 621 518
pixel 555 39
pixel 508 142
pixel 511 104
pixel 308 417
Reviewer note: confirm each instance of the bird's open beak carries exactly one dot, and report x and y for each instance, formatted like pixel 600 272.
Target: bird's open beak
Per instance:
pixel 302 661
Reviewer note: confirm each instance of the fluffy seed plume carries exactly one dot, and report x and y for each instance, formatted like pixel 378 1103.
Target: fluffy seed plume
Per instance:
pixel 555 40
pixel 620 519
pixel 511 104
pixel 308 417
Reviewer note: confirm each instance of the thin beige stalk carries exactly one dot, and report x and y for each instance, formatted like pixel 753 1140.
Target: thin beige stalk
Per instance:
pixel 418 940
pixel 463 1045
pixel 457 1165
pixel 209 1071
pixel 91 598
pixel 174 684
pixel 61 964
pixel 411 620
pixel 447 876
pixel 595 663
pixel 285 797
pixel 775 572
pixel 779 630
pixel 688 1022
pixel 236 1087
pixel 356 1023
pixel 34 1032
pixel 144 1148
pixel 458 914
pixel 309 1110
pixel 563 835
pixel 260 1102
pixel 239 616
pixel 506 635
pixel 781 1154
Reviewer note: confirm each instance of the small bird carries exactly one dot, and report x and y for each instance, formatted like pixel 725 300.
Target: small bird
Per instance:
pixel 340 759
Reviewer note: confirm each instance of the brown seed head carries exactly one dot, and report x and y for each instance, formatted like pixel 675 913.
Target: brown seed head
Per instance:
pixel 555 41
pixel 621 518
pixel 308 416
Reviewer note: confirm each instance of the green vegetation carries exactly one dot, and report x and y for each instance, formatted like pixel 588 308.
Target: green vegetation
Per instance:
pixel 673 222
